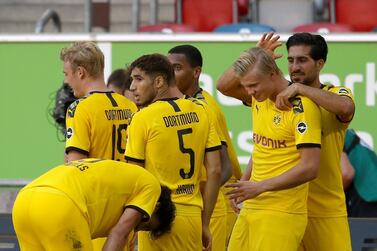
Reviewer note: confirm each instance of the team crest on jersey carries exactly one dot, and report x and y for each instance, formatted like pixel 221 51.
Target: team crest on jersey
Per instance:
pixel 277 119
pixel 72 108
pixel 302 127
pixel 343 91
pixel 69 133
pixel 297 105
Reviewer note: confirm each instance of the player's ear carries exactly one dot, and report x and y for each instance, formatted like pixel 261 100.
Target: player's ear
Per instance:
pixel 197 71
pixel 320 63
pixel 81 71
pixel 159 81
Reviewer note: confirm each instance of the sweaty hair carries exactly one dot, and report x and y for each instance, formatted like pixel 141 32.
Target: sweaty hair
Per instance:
pixel 155 65
pixel 86 55
pixel 255 57
pixel 317 44
pixel 120 78
pixel 165 212
pixel 193 55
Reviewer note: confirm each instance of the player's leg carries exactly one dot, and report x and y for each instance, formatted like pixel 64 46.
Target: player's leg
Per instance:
pixel 218 230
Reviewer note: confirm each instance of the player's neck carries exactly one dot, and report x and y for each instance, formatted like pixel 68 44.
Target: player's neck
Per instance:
pixel 96 85
pixel 163 93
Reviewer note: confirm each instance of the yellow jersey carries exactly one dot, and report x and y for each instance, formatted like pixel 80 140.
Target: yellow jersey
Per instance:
pixel 102 189
pixel 97 125
pixel 326 196
pixel 277 136
pixel 220 117
pixel 171 136
pixel 221 206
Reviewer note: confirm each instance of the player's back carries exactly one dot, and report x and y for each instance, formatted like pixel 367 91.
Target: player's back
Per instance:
pixel 171 136
pixel 101 189
pixel 97 125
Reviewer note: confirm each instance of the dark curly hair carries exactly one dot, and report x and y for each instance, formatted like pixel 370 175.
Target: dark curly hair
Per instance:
pixel 165 212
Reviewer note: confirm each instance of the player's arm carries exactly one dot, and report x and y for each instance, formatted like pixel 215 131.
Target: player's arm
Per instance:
pixel 74 155
pixel 342 106
pixel 118 235
pixel 303 172
pixel 348 172
pixel 226 166
pixel 230 85
pixel 247 173
pixel 211 189
pixel 269 43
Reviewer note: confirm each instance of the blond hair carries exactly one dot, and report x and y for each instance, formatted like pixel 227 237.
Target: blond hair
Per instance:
pixel 86 55
pixel 255 58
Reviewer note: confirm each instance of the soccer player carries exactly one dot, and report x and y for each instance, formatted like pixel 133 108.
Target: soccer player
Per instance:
pixel 187 62
pixel 72 203
pixel 119 81
pixel 327 223
pixel 285 157
pixel 97 122
pixel 172 138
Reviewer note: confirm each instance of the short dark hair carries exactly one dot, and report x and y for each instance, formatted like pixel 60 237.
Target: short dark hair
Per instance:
pixel 193 55
pixel 165 213
pixel 120 78
pixel 155 65
pixel 316 42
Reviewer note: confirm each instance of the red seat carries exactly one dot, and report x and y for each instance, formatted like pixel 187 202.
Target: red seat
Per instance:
pixel 206 15
pixel 243 7
pixel 166 28
pixel 360 14
pixel 323 27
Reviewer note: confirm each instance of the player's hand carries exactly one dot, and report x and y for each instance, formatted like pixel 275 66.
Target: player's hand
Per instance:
pixel 282 101
pixel 269 43
pixel 244 190
pixel 206 238
pixel 234 206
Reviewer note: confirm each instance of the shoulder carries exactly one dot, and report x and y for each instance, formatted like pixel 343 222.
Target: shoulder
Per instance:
pixel 340 90
pixel 301 104
pixel 73 107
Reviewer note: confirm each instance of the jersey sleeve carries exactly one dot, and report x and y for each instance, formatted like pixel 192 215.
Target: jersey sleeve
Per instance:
pixel 78 129
pixel 146 194
pixel 342 91
pixel 213 142
pixel 136 139
pixel 306 123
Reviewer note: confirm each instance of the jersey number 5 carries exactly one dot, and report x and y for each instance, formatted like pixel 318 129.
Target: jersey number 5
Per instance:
pixel 188 151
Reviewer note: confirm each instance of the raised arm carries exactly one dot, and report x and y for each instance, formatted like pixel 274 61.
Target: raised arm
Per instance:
pixel 269 43
pixel 230 85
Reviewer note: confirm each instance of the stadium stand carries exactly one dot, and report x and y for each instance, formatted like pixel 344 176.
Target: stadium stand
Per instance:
pixel 166 28
pixel 244 28
pixel 361 15
pixel 323 27
pixel 205 16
